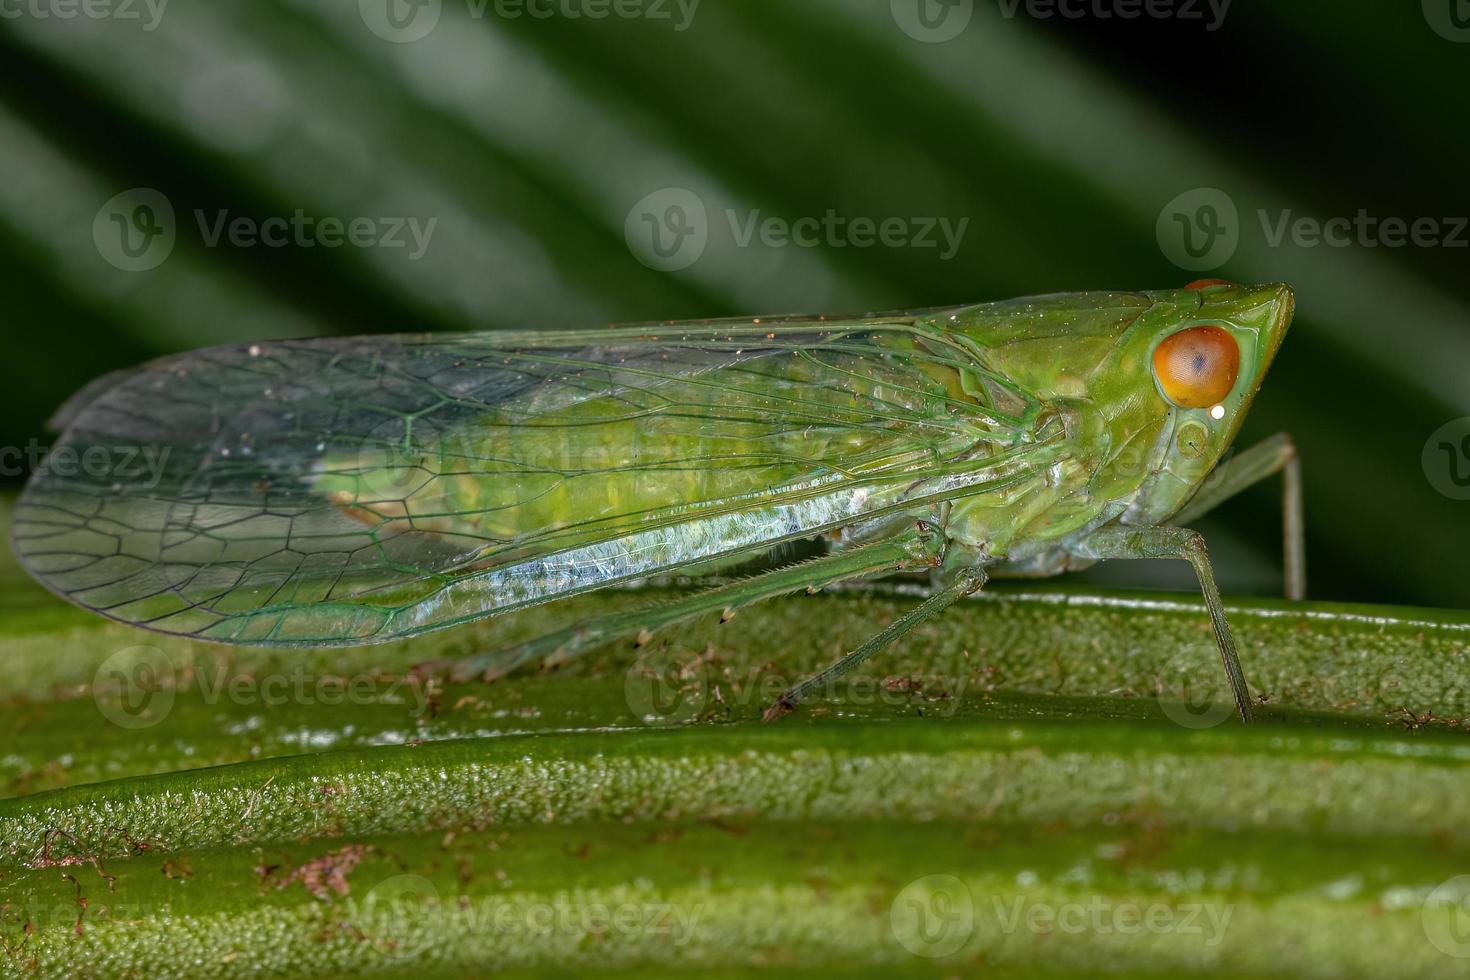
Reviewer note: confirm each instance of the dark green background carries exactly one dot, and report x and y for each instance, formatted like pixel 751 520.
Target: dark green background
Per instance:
pixel 530 140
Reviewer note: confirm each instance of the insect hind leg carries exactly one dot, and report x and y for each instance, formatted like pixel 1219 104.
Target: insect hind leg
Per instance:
pixel 895 554
pixel 969 581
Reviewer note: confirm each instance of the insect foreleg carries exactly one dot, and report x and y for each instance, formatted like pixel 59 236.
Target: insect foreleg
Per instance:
pixel 1265 459
pixel 1119 541
pixel 894 554
pixel 969 580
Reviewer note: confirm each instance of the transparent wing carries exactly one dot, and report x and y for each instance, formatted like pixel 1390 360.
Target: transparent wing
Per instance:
pixel 354 490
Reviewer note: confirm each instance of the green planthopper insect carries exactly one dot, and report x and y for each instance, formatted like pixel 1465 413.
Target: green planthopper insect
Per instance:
pixel 347 491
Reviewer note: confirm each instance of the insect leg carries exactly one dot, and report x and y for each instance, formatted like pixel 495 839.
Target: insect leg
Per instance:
pixel 1118 541
pixel 893 554
pixel 1265 459
pixel 970 580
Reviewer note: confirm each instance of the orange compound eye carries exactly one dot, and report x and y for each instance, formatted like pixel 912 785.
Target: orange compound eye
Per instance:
pixel 1197 366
